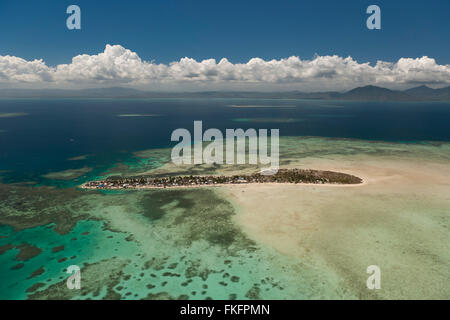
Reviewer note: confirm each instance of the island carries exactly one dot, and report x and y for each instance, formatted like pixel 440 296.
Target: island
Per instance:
pixel 293 176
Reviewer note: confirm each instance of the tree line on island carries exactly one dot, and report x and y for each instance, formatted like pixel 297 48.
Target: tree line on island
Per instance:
pixel 282 176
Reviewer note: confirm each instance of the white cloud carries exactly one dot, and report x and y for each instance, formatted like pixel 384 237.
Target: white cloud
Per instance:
pixel 120 66
pixel 16 70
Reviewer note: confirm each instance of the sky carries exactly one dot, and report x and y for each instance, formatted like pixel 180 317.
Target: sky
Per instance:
pixel 168 41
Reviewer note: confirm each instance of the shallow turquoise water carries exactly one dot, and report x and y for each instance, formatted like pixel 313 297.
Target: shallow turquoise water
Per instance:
pixel 85 249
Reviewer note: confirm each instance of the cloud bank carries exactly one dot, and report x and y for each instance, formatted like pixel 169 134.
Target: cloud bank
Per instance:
pixel 117 65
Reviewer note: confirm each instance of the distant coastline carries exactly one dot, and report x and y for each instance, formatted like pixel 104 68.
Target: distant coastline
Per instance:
pixel 366 93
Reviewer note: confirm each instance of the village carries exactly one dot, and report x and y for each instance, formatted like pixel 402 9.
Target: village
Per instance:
pixel 294 176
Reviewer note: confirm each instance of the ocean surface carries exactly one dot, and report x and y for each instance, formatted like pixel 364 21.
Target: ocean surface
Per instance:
pixel 53 131
pixel 156 244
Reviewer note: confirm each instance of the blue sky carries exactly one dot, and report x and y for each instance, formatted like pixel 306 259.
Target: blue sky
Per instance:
pixel 167 30
pixel 254 45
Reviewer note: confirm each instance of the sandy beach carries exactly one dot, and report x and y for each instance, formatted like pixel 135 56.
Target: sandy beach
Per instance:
pixel 398 219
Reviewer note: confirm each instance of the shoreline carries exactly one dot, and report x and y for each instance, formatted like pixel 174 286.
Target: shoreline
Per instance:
pixel 230 185
pixel 282 177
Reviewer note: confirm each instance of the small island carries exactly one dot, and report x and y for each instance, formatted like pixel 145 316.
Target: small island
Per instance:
pixel 294 176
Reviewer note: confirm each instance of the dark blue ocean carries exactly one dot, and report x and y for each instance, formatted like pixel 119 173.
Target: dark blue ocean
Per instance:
pixel 51 131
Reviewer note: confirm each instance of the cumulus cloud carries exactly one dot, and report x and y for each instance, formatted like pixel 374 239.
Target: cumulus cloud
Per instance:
pixel 117 65
pixel 16 70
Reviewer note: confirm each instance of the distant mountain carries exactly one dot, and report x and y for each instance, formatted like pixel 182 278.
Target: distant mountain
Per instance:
pixel 432 94
pixel 373 93
pixel 367 93
pixel 420 91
